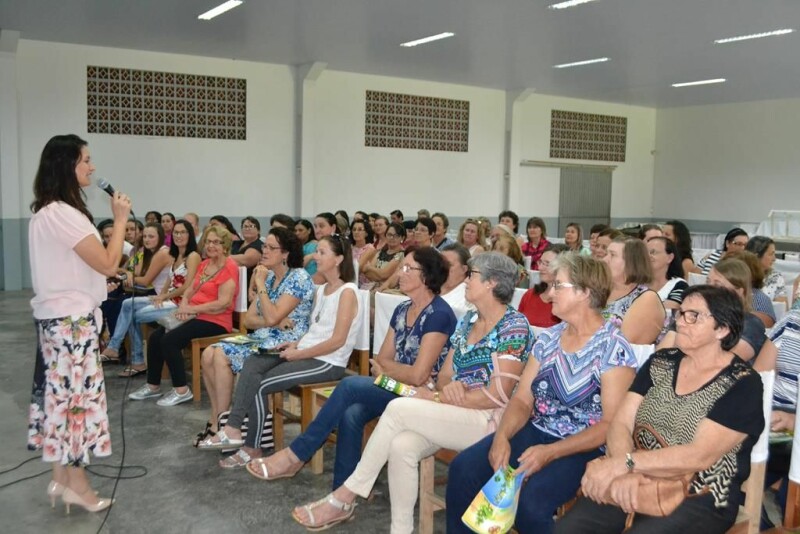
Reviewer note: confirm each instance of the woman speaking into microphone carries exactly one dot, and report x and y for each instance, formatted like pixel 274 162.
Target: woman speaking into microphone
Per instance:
pixel 69 266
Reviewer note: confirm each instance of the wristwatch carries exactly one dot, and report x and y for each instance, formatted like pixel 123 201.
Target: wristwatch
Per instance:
pixel 629 463
pixel 436 397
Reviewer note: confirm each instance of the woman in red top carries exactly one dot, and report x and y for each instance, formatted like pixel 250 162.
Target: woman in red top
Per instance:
pixel 537 241
pixel 206 308
pixel 536 304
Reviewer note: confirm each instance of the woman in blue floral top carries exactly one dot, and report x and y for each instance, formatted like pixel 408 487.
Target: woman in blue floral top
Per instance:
pixel 557 419
pixel 495 339
pixel 413 352
pixel 280 314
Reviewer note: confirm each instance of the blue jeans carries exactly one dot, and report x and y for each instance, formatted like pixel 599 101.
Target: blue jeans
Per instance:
pixel 541 495
pixel 355 402
pixel 144 312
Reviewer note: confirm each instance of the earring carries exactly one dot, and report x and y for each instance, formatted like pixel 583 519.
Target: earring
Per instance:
pixel 283 262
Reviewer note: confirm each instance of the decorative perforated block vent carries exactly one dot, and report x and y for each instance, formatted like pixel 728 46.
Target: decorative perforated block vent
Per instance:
pixel 395 120
pixel 589 136
pixel 165 104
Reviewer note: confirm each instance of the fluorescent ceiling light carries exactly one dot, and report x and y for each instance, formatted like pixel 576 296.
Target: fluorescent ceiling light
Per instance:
pixel 220 9
pixel 579 63
pixel 699 82
pixel 753 36
pixel 570 3
pixel 424 40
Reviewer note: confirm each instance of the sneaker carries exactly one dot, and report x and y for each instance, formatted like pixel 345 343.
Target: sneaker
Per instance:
pixel 174 398
pixel 144 392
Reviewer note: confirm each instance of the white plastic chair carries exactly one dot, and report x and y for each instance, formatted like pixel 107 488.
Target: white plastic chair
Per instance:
pixel 696 279
pixel 515 300
pixel 385 303
pixel 642 352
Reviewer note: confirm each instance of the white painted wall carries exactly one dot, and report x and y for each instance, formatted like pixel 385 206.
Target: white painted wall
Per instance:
pixel 168 174
pixel 632 184
pixel 728 162
pixel 351 176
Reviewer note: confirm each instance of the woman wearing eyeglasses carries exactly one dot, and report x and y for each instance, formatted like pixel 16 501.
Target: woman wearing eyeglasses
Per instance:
pixel 703 402
pixel 319 356
pixel 471 236
pixel 249 253
pixel 557 420
pixel 206 309
pixel 279 313
pixel 489 349
pixel 388 258
pixel 735 241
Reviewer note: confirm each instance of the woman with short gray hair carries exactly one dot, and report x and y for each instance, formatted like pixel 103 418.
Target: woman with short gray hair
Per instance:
pixel 491 341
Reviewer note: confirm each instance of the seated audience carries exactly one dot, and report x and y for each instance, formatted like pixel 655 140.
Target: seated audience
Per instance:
pixel 363 250
pixel 304 231
pixel 380 226
pixel 152 217
pixel 668 279
pixel 388 258
pixel 646 231
pixel 139 310
pixel 455 287
pixel 511 221
pixel 249 253
pixel 679 234
pixel 412 353
pixel 471 236
pixel 361 216
pixel 537 304
pixel 321 355
pixel 499 230
pixel 786 337
pixel 133 233
pixel 488 343
pixel 735 240
pixel 325 224
pixel 440 239
pixel 206 309
pixel 167 223
pixel 761 305
pixel 552 427
pixel 279 313
pixel 221 220
pixel 774 283
pixel 194 220
pixel 594 231
pixel 506 244
pixel 281 219
pixel 147 271
pixel 424 230
pixel 536 241
pixel 604 239
pixel 753 345
pixel 633 307
pixel 703 401
pixel 573 238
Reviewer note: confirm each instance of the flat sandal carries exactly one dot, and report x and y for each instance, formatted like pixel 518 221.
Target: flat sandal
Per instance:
pixel 348 508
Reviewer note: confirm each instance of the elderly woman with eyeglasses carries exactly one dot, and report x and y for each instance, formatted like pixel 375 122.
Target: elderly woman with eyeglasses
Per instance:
pixel 206 309
pixel 490 345
pixel 693 411
pixel 557 419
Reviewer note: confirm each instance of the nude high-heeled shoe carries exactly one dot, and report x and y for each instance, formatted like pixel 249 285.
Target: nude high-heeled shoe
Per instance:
pixel 70 497
pixel 54 490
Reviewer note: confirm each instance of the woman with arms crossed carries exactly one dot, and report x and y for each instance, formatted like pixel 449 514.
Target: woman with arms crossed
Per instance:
pixel 69 267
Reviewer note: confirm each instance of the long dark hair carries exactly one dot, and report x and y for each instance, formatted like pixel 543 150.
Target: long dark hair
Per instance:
pixel 367 228
pixel 191 244
pixel 227 224
pixel 56 180
pixel 675 267
pixel 288 243
pixel 341 247
pixel 308 226
pixel 147 254
pixel 683 239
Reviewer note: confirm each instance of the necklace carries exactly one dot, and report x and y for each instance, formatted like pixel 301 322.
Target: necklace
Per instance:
pixel 205 277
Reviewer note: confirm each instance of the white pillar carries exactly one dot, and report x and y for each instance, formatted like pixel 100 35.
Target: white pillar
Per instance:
pixel 305 102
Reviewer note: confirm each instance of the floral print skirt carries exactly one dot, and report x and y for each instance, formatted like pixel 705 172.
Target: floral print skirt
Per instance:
pixel 68 417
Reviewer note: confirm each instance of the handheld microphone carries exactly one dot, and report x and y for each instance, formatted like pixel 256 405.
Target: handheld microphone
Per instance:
pixel 109 189
pixel 105 186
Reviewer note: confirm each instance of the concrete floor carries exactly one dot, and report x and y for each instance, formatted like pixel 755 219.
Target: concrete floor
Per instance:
pixel 184 489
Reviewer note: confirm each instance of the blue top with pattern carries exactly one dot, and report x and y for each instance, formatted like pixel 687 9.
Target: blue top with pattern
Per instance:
pixel 310 248
pixel 298 284
pixel 566 390
pixel 511 339
pixel 436 317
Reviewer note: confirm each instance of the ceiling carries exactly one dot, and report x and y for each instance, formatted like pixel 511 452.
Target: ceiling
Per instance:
pixel 502 44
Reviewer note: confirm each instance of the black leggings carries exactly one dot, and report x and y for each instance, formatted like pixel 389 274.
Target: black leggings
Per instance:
pixel 694 515
pixel 166 347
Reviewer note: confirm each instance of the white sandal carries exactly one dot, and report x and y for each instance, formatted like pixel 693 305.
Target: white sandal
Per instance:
pixel 348 508
pixel 224 442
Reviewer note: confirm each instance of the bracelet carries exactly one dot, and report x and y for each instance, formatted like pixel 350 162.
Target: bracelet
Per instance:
pixel 261 292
